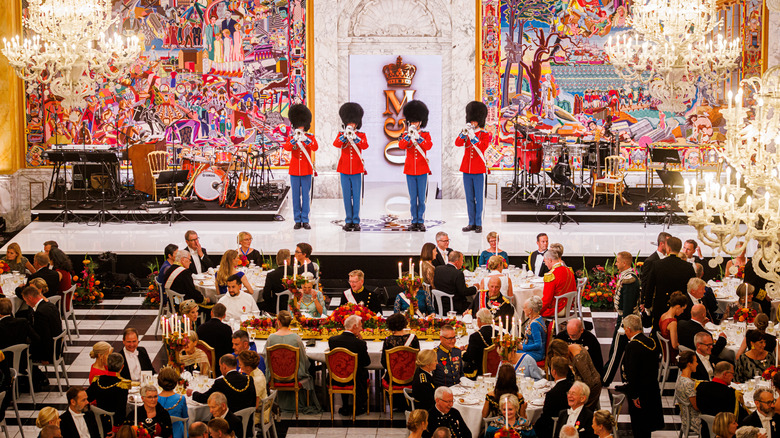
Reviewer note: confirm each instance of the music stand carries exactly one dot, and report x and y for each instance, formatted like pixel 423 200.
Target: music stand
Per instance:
pixel 657 155
pixel 561 179
pixel 673 183
pixel 173 178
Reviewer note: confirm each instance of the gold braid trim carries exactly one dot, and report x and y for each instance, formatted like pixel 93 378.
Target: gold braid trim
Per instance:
pixel 177 404
pixel 122 383
pixel 234 388
pixel 645 345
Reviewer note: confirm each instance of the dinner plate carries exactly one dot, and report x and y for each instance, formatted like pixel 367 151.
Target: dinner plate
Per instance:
pixel 468 402
pixel 527 286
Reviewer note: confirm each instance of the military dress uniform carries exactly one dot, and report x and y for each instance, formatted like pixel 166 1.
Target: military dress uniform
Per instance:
pixel 558 281
pixel 351 169
pixel 626 300
pixel 452 420
pixel 301 171
pixel 449 366
pixel 474 168
pixel 423 389
pixel 416 169
pixel 500 307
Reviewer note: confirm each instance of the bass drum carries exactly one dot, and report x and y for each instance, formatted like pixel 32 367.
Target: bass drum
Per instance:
pixel 208 184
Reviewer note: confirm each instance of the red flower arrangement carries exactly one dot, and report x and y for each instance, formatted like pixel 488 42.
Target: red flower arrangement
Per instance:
pixel 410 286
pixel 740 271
pixel 506 344
pixel 770 372
pixel 337 318
pixel 140 431
pixel 152 298
pixel 4 268
pixel 600 288
pixel 744 314
pixel 243 260
pixel 88 291
pixel 506 433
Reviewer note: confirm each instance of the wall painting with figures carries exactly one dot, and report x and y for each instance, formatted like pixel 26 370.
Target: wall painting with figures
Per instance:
pixel 214 74
pixel 544 59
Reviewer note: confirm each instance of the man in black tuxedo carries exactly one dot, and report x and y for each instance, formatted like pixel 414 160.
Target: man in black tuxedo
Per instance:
pixel 135 357
pixel 450 279
pixel 556 399
pixel 238 388
pixel 647 266
pixel 705 367
pixel 764 416
pixel 692 251
pixel 15 331
pixel 687 329
pixel 77 422
pixel 178 278
pixel 45 320
pixel 708 299
pixel 478 341
pixel 216 333
pixel 109 392
pixel 351 340
pixel 274 285
pixel 219 409
pixel 442 249
pixel 536 259
pixel 668 275
pixel 640 366
pixel 47 273
pixel 576 334
pixel 717 396
pixel 577 415
pixel 697 294
pixel 445 416
pixel 200 259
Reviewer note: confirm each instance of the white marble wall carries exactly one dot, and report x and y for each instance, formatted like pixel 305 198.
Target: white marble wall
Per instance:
pixel 436 27
pixel 20 192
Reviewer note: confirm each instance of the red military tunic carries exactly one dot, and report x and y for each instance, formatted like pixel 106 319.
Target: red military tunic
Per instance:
pixel 560 280
pixel 472 162
pixel 416 162
pixel 299 165
pixel 349 162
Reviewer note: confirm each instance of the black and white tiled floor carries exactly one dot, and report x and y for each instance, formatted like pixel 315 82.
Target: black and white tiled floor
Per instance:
pixel 105 322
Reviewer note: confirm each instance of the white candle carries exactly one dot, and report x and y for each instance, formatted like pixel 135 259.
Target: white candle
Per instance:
pixel 285 268
pixel 778 206
pixel 411 268
pixel 295 269
pixel 496 244
pixel 411 272
pixel 305 266
pixel 400 273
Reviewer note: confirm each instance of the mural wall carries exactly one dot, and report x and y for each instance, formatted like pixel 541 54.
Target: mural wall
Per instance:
pixel 214 74
pixel 544 59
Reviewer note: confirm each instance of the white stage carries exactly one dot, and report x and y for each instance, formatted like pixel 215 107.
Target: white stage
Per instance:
pixel 327 238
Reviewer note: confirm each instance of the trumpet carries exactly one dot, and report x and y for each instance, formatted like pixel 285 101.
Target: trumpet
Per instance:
pixel 413 132
pixel 299 136
pixel 468 130
pixel 349 132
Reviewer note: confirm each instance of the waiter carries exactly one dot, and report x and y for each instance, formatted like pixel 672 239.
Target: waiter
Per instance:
pixel 476 141
pixel 416 167
pixel 302 144
pixel 351 166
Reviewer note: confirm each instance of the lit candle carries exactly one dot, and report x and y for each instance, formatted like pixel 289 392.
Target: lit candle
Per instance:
pixel 411 272
pixel 295 269
pixel 305 266
pixel 400 273
pixel 411 268
pixel 506 412
pixel 421 260
pixel 496 244
pixel 285 268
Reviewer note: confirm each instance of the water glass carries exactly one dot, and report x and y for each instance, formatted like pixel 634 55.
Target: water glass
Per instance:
pixel 452 314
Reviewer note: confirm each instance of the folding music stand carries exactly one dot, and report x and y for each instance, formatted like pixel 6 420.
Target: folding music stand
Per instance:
pixel 558 176
pixel 172 178
pixel 665 156
pixel 673 183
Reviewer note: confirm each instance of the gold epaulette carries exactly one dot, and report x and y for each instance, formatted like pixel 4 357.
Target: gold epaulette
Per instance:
pixel 548 277
pixel 422 377
pixel 125 383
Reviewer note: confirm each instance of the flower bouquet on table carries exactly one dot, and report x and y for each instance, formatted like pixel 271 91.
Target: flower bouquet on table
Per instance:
pixel 429 326
pixel 743 314
pixel 293 284
pixel 140 431
pixel 410 285
pixel 4 268
pixel 770 372
pixel 242 260
pixel 337 318
pixel 88 290
pixel 600 289
pixel 506 343
pixel 152 298
pixel 507 432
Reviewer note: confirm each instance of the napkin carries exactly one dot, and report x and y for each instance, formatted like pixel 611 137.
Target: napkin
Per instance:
pixel 468 383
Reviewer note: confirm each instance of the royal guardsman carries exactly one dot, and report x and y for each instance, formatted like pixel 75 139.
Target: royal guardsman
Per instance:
pixel 449 363
pixel 416 143
pixel 302 145
pixel 351 164
pixel 444 415
pixel 558 281
pixel 474 166
pixel 626 300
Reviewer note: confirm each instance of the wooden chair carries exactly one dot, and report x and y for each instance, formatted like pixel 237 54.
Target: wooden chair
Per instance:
pixel 283 362
pixel 342 371
pixel 491 360
pixel 210 355
pixel 401 363
pixel 158 162
pixel 612 182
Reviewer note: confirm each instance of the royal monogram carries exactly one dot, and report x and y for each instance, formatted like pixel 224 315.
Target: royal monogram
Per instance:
pixel 399 74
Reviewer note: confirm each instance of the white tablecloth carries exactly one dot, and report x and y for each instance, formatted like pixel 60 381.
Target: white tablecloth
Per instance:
pixel 524 285
pixel 205 283
pixel 726 295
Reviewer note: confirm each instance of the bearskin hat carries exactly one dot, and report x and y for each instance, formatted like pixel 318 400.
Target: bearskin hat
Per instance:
pixel 476 112
pixel 300 116
pixel 351 112
pixel 416 111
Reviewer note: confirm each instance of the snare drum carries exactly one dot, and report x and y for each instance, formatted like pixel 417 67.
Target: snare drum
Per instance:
pixel 223 157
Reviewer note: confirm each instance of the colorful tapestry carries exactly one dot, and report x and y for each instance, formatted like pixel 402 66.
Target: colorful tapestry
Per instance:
pixel 214 74
pixel 554 72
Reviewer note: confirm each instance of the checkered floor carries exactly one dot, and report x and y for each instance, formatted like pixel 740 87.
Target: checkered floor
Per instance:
pixel 105 322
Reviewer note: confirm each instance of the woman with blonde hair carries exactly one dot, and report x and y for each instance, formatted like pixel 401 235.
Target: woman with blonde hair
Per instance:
pixel 422 385
pixel 100 352
pixel 417 423
pixel 493 250
pixel 192 357
pixel 495 267
pixel 604 423
pixel 725 425
pixel 47 415
pixel 16 261
pixel 227 267
pixel 244 240
pixel 189 308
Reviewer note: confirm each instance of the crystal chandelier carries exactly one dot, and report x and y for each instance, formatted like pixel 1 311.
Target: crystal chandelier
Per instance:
pixel 746 207
pixel 69 49
pixel 670 48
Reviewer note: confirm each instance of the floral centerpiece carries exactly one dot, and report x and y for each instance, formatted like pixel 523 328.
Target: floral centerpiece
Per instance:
pixel 88 290
pixel 243 261
pixel 743 314
pixel 140 430
pixel 4 268
pixel 600 289
pixel 506 344
pixel 293 284
pixel 410 285
pixel 174 344
pixel 337 318
pixel 152 298
pixel 507 432
pixel 770 372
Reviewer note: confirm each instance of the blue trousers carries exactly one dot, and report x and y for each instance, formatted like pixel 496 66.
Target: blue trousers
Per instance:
pixel 301 190
pixel 474 184
pixel 350 190
pixel 417 185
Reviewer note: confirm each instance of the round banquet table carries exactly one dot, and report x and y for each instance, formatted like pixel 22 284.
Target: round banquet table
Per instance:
pixel 195 411
pixel 726 294
pixel 205 282
pixel 524 285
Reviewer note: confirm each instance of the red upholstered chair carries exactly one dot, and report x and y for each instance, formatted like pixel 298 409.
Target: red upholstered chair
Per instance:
pixel 401 363
pixel 550 328
pixel 210 355
pixel 491 360
pixel 283 361
pixel 342 369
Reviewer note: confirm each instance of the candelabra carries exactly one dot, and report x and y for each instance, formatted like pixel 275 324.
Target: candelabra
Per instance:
pixel 69 49
pixel 746 207
pixel 670 48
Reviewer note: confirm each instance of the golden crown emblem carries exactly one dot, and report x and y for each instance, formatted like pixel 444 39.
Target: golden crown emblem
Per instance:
pixel 399 74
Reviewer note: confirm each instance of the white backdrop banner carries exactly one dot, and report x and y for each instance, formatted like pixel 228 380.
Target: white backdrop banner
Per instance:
pixel 383 120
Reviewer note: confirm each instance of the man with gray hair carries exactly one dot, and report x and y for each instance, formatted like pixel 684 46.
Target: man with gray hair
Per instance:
pixel 444 415
pixel 200 259
pixel 198 429
pixel 718 395
pixel 577 416
pixel 109 391
pixel 478 341
pixel 575 333
pixel 642 393
pixel 351 340
pixel 558 281
pixel 764 416
pixel 442 432
pixel 178 278
pixel 218 407
pixel 568 432
pixel 705 366
pixel 450 279
pixel 442 249
pixel 449 367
